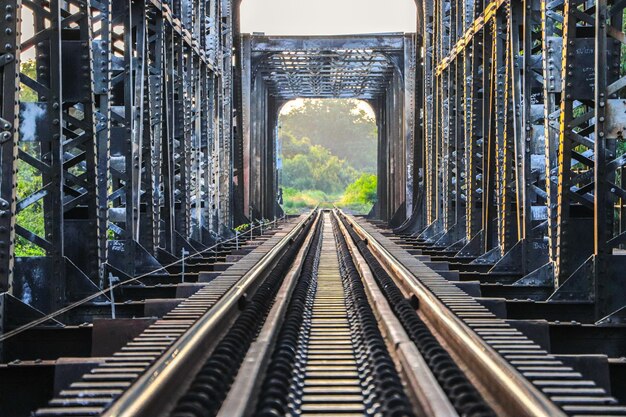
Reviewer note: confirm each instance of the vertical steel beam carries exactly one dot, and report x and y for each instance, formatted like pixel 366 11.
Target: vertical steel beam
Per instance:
pixel 101 17
pixel 60 148
pixel 129 90
pixel 576 180
pixel 409 112
pixel 491 113
pixel 552 56
pixel 429 59
pixel 153 131
pixel 609 159
pixel 9 126
pixel 603 202
pixel 474 153
pixel 508 232
pixel 167 143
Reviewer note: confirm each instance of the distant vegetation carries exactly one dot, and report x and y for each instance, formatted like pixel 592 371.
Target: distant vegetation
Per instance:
pixel 313 167
pixel 29 179
pixel 361 194
pixel 341 126
pixel 329 156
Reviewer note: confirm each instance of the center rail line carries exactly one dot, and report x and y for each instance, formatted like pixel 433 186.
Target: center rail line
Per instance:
pixel 342 366
pixel 329 317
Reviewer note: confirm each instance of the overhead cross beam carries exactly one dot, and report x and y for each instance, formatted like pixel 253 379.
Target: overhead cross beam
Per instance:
pixel 359 66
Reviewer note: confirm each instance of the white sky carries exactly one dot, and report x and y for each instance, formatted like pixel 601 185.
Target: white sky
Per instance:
pixel 327 17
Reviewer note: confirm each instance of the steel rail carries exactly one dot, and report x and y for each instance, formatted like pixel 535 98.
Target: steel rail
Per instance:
pixel 151 392
pixel 425 390
pixel 255 362
pixel 500 378
pixel 327 326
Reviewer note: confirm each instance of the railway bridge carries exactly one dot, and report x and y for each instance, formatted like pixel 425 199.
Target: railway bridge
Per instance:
pixel 147 267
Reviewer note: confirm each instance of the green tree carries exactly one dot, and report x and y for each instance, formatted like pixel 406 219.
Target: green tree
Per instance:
pixel 362 191
pixel 28 68
pixel 297 173
pixel 317 169
pixel 28 178
pixel 341 126
pixel 292 146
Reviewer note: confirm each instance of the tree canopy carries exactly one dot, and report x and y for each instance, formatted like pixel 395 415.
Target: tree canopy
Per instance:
pixel 313 167
pixel 341 126
pixel 329 156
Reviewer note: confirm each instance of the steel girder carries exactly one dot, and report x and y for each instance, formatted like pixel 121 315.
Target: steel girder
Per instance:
pixel 162 196
pixel 430 151
pixel 531 94
pixel 57 150
pixel 327 67
pixel 591 157
pixel 380 69
pixel 126 144
pixel 483 202
pixel 9 126
pixel 552 52
pixel 409 119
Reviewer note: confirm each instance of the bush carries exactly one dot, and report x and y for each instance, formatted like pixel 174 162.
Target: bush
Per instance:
pixel 362 191
pixel 317 169
pixel 296 201
pixel 360 196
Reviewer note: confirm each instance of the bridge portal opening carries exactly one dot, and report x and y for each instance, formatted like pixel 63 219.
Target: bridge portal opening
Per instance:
pixel 327 155
pixel 378 69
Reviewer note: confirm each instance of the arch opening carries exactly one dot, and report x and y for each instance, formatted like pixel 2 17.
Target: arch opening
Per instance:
pixel 327 152
pixel 373 68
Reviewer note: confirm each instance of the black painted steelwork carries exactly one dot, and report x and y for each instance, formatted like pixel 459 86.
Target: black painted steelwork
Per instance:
pixel 124 121
pixel 283 379
pixel 282 391
pixel 147 128
pixel 522 130
pixel 382 380
pixel 9 125
pixel 380 69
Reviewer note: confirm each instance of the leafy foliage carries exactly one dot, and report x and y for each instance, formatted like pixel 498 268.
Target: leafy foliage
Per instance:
pixel 341 126
pixel 334 164
pixel 317 169
pixel 242 228
pixel 29 179
pixel 361 195
pixel 296 201
pixel 292 146
pixel 28 68
pixel 361 191
pixel 28 182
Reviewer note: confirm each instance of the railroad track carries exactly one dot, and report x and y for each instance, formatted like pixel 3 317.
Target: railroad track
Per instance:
pixel 149 357
pixel 333 317
pixel 341 366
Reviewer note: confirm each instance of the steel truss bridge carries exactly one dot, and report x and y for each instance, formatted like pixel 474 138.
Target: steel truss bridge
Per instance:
pixel 134 133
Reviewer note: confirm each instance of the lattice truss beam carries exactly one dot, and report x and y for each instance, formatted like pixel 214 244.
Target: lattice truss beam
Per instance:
pixel 308 67
pixel 524 150
pixel 116 121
